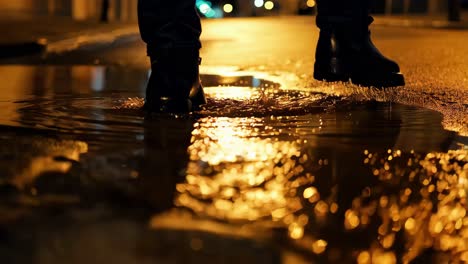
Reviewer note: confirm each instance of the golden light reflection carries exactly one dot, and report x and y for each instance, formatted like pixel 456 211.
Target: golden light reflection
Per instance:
pixel 241 174
pixel 39 156
pixel 383 257
pixel 237 173
pixel 351 220
pixel 432 209
pixel 232 92
pixel 319 246
pixel 364 258
pixel 310 192
pixel 296 231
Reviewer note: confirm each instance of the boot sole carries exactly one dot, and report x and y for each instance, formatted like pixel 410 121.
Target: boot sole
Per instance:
pixel 169 106
pixel 330 77
pixel 392 79
pixel 177 105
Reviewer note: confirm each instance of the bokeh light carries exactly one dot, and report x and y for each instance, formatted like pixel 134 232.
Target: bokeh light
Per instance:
pixel 228 8
pixel 204 8
pixel 259 3
pixel 269 5
pixel 207 9
pixel 310 3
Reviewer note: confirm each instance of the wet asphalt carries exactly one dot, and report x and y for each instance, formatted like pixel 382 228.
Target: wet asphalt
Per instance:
pixel 434 61
pixel 278 168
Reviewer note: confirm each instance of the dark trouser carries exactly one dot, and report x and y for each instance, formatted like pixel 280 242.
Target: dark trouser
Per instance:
pixel 176 24
pixel 167 24
pixel 335 13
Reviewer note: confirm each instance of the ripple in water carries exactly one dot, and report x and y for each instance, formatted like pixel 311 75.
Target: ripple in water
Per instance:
pixel 367 183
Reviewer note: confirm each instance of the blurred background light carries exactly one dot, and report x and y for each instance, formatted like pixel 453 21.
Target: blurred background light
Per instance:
pixel 258 3
pixel 126 10
pixel 269 5
pixel 204 8
pixel 228 8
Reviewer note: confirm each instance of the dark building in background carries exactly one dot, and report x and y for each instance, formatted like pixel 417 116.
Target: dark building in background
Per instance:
pixel 432 7
pixel 125 10
pixel 400 6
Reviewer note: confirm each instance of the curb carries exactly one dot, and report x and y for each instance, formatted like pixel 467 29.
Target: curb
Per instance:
pixel 94 38
pixel 21 49
pixel 44 45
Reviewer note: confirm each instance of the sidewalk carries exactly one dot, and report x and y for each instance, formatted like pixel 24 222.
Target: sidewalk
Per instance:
pixel 45 34
pixel 59 34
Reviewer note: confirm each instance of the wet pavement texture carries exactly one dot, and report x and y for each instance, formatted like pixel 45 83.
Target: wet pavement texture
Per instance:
pixel 434 61
pixel 265 173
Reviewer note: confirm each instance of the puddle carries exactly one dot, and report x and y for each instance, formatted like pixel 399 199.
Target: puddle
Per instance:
pixel 261 175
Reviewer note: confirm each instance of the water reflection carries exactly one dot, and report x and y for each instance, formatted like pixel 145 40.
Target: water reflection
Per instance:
pixel 237 172
pixel 25 82
pixel 420 201
pixel 249 170
pixel 27 159
pixel 261 175
pixel 164 160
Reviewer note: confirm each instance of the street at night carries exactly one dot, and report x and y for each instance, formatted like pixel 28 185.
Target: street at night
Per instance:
pixel 276 168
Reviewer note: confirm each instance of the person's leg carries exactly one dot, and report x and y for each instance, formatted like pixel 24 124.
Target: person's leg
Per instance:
pixel 336 12
pixel 171 30
pixel 345 50
pixel 169 24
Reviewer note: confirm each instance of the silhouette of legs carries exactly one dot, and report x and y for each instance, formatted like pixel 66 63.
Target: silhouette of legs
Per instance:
pixel 171 30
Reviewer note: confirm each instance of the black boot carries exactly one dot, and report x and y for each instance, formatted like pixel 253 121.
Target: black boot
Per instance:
pixel 174 85
pixel 345 51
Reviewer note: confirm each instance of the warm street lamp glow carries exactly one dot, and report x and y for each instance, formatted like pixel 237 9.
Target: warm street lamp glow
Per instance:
pixel 269 5
pixel 228 8
pixel 310 3
pixel 258 3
